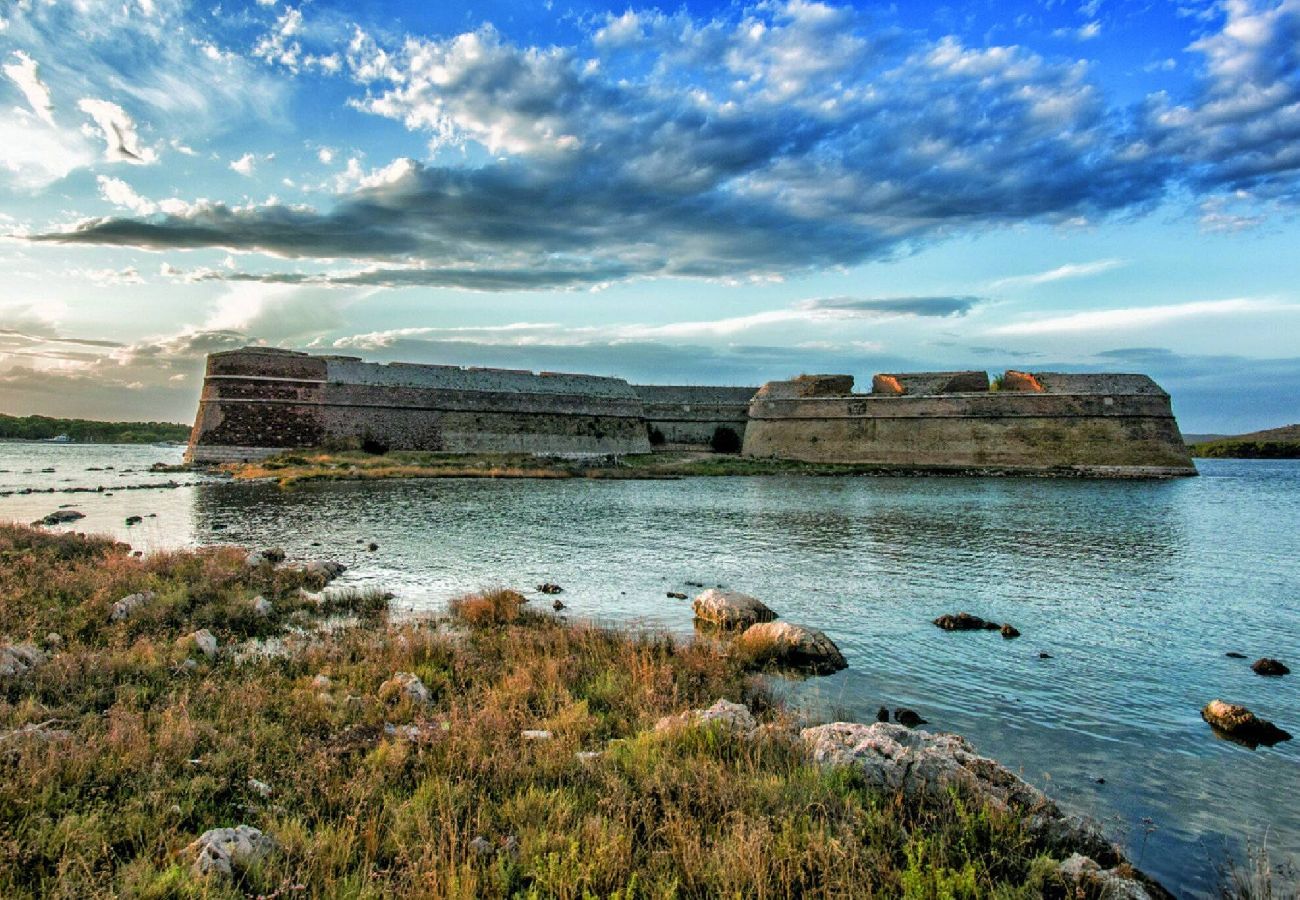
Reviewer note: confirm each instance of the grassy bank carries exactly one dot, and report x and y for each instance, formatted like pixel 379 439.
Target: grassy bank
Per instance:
pixel 127 741
pixel 299 466
pixel 40 428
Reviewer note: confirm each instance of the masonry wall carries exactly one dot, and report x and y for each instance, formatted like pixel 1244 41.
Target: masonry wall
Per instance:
pixel 256 402
pixel 689 417
pixel 1109 425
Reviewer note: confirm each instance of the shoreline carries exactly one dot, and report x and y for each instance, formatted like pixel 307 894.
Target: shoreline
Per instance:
pixel 500 749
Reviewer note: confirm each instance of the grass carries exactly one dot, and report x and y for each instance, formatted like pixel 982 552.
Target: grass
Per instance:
pixel 376 794
pixel 294 467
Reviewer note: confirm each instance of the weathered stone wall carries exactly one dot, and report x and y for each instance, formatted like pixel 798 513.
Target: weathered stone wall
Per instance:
pixel 255 401
pixel 1099 424
pixel 687 416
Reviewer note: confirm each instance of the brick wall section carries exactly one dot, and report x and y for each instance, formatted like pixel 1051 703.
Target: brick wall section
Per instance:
pixel 688 416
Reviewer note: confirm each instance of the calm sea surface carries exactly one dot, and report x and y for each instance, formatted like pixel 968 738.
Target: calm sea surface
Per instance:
pixel 1135 589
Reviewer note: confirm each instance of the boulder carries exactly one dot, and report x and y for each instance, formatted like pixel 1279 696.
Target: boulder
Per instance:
pixel 908 718
pixel 732 716
pixel 134 520
pixel 1087 879
pixel 224 851
pixel 963 621
pixel 60 517
pixel 922 765
pixel 204 641
pixel 676 595
pixel 325 569
pixel 550 588
pixel 405 684
pixel 730 609
pixel 557 604
pixel 18 659
pixel 1010 631
pixel 262 607
pixel 1242 725
pixel 126 607
pixel 1269 666
pixel 793 646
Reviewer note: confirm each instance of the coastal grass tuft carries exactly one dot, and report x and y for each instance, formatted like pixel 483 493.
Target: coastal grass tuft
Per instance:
pixel 126 743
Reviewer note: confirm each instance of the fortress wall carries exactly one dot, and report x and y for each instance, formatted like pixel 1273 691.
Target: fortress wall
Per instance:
pixel 930 382
pixel 689 416
pixel 1098 432
pixel 256 401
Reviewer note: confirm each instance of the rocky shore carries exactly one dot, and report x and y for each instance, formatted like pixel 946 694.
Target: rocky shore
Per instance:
pixel 222 722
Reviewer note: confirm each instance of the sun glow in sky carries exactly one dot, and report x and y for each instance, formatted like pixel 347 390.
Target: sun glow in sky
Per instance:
pixel 721 193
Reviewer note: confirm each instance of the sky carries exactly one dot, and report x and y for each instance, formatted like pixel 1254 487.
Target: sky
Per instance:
pixel 721 193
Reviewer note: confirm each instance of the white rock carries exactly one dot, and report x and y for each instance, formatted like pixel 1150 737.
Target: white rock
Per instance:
pixel 124 608
pixel 262 607
pixel 17 659
pixel 732 715
pixel 405 683
pixel 1091 880
pixel 730 609
pixel 322 683
pixel 261 788
pixel 225 850
pixel 206 641
pixel 536 734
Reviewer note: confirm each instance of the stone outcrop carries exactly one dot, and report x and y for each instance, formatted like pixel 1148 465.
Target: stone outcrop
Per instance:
pixel 126 607
pixel 1242 725
pixel 225 851
pixel 730 609
pixel 19 659
pixel 964 621
pixel 792 646
pixel 405 684
pixel 1269 666
pixel 733 716
pixel 1044 423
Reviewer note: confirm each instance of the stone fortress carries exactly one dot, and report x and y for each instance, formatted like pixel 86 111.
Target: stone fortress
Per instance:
pixel 257 401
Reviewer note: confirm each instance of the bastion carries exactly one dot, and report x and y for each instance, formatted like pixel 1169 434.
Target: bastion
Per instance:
pixel 1023 423
pixel 258 401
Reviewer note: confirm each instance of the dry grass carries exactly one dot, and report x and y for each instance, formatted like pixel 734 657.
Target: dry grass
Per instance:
pixel 383 797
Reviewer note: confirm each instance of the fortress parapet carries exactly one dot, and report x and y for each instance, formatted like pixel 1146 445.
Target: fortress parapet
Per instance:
pixel 687 417
pixel 258 401
pixel 1039 423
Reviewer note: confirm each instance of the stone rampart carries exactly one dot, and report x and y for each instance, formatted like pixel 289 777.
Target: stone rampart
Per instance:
pixel 686 416
pixel 1099 424
pixel 256 401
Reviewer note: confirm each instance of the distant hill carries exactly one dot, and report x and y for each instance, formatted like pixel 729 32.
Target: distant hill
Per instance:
pixel 41 428
pixel 1272 443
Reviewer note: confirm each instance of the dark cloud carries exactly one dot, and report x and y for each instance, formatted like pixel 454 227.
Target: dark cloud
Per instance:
pixel 895 306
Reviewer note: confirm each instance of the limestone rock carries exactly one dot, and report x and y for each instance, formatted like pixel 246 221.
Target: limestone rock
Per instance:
pixel 205 641
pixel 730 609
pixel 920 764
pixel 405 684
pixel 1269 666
pixel 795 646
pixel 1087 879
pixel 1242 725
pixel 536 734
pixel 325 569
pixel 18 659
pixel 733 716
pixel 262 607
pixel 126 607
pixel 226 850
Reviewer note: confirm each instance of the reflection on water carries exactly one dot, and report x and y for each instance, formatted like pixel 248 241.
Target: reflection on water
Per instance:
pixel 1135 590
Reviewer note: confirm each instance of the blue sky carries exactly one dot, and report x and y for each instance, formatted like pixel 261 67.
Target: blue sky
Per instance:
pixel 709 192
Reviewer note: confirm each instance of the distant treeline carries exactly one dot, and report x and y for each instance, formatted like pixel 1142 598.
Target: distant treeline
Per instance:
pixel 1237 449
pixel 40 428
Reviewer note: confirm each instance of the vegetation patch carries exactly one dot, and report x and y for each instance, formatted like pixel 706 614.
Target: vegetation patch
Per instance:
pixel 497 753
pixel 42 428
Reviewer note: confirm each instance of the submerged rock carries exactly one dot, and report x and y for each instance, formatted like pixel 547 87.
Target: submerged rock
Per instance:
pixel 549 588
pixel 18 659
pixel 730 609
pixel 1233 654
pixel 1242 725
pixel 1269 666
pixel 134 520
pixel 557 605
pixel 676 595
pixel 224 851
pixel 882 715
pixel 60 517
pixel 731 715
pixel 794 646
pixel 405 684
pixel 1010 631
pixel 964 621
pixel 908 718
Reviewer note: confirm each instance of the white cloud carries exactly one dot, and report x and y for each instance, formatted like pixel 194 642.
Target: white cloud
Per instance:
pixel 1060 273
pixel 121 140
pixel 119 193
pixel 24 74
pixel 325 155
pixel 244 165
pixel 1129 318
